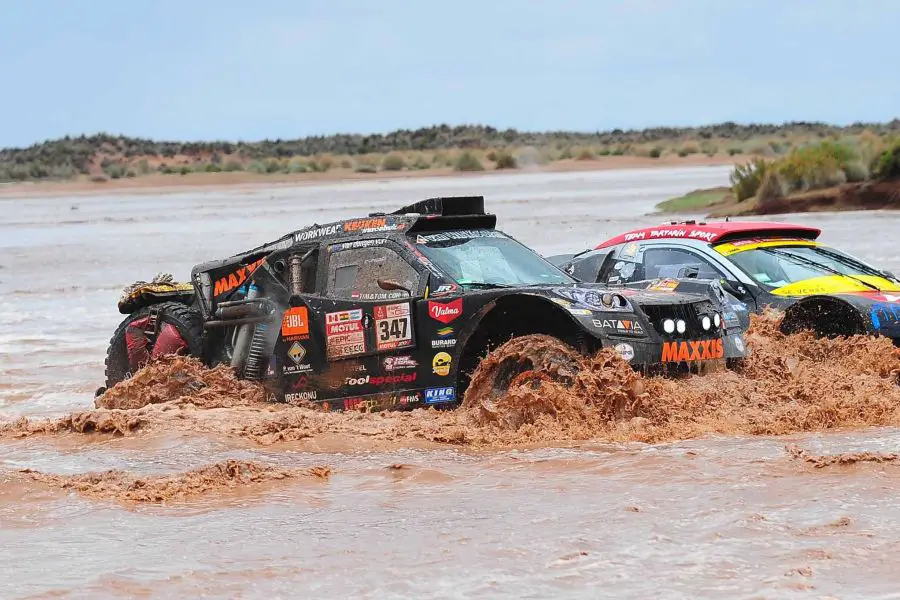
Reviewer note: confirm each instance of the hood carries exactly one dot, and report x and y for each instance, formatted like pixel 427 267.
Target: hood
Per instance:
pixel 837 284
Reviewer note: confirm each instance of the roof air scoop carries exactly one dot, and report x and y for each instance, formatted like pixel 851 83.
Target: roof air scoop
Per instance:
pixel 446 206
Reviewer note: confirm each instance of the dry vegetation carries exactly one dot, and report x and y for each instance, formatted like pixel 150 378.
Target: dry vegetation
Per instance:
pixel 464 148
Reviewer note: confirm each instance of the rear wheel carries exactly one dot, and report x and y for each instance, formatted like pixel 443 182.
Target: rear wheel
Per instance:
pixel 151 332
pixel 529 357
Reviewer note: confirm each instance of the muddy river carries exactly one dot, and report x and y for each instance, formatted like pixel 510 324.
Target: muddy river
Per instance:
pixel 688 495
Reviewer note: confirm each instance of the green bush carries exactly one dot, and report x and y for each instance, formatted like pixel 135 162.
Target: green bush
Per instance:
pixel 505 160
pixel 114 170
pixel 887 164
pixel 165 169
pixel 365 168
pixel 655 152
pixel 734 151
pixel 143 167
pixel 815 166
pixel 130 174
pixel 617 151
pixel 212 168
pixel 468 162
pixel 604 151
pixel 185 169
pixel 393 162
pixel 297 166
pixel 746 178
pixel 257 167
pixel 855 171
pixel 233 165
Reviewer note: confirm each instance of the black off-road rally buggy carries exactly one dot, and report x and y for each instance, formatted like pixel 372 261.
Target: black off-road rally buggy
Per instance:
pixel 397 310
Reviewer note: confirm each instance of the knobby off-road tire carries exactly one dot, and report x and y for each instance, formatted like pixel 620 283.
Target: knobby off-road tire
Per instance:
pixel 529 357
pixel 180 332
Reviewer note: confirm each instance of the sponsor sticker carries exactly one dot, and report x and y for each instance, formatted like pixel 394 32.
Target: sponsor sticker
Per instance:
pixel 664 285
pixel 371 225
pixel 443 343
pixel 393 326
pixel 399 363
pixel 619 325
pixel 445 312
pixel 460 234
pixel 344 333
pixel 626 351
pixel 233 280
pixel 301 396
pixel 445 289
pixel 440 364
pixel 379 380
pixel 739 343
pixel 440 395
pixel 295 322
pixel 692 350
pixel 316 232
pixel 296 353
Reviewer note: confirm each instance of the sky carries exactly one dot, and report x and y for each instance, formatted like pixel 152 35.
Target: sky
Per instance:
pixel 242 70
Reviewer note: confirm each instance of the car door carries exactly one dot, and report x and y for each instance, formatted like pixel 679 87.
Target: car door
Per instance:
pixel 366 321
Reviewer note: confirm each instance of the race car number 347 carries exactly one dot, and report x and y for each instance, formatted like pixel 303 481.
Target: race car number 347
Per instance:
pixel 393 326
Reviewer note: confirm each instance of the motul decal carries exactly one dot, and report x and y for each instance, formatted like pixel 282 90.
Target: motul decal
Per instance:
pixel 445 311
pixel 233 280
pixel 691 351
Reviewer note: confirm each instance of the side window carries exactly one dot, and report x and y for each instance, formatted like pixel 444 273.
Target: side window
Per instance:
pixel 353 274
pixel 675 262
pixel 623 266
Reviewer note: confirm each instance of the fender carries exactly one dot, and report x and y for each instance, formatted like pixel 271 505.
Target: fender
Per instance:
pixel 161 289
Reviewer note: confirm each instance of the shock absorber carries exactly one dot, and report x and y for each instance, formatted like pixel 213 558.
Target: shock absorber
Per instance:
pixel 261 346
pixel 242 343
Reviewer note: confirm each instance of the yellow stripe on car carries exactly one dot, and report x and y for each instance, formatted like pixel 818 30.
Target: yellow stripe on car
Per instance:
pixel 729 248
pixel 835 284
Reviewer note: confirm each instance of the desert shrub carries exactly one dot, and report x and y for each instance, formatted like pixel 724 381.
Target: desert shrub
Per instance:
pixel 99 179
pixel 746 178
pixel 346 163
pixel 325 162
pixel 688 149
pixel 212 167
pixel 365 168
pixel 586 153
pixel 565 153
pixel 603 151
pixel 815 166
pixel 655 152
pixel 617 151
pixel 491 155
pixel 114 170
pixel 130 174
pixel 233 165
pixel 165 169
pixel 468 162
pixel 185 169
pixel 733 151
pixel 770 187
pixel 272 166
pixel 887 164
pixel 257 166
pixel 392 162
pixel 297 166
pixel 143 167
pixel 708 148
pixel 856 171
pixel 505 160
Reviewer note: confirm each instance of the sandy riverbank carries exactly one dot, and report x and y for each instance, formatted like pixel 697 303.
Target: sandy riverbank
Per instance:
pixel 159 184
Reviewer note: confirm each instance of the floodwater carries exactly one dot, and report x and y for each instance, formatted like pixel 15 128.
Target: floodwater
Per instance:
pixel 714 517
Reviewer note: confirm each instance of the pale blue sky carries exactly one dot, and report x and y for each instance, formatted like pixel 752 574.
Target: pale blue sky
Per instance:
pixel 204 69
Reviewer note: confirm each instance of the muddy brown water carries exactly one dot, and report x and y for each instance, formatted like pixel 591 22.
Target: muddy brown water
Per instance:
pixel 683 495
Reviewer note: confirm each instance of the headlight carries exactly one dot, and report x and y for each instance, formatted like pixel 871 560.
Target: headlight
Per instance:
pixel 680 326
pixel 706 322
pixel 717 320
pixel 669 326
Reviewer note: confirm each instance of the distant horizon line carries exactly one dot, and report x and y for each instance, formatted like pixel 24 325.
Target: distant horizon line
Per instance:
pixel 894 123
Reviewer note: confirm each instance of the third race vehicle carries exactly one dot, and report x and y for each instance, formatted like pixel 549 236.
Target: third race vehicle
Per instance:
pixel 397 310
pixel 760 264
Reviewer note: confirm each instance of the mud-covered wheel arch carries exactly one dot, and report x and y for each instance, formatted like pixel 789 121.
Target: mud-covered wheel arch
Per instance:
pixel 180 330
pixel 824 316
pixel 515 317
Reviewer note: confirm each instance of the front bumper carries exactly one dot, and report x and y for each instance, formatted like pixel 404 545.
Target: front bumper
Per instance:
pixel 680 351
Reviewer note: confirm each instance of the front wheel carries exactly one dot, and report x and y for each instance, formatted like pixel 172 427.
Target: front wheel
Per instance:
pixel 529 357
pixel 151 332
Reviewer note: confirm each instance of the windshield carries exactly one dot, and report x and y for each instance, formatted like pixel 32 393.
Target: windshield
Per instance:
pixel 777 266
pixel 488 258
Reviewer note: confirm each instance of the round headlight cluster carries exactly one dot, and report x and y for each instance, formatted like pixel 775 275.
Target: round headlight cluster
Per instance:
pixel 708 323
pixel 670 326
pixel 717 319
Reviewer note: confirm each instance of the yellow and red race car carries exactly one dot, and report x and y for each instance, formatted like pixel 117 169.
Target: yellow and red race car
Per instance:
pixel 759 264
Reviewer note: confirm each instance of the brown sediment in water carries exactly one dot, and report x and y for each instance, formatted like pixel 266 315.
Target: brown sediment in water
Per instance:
pixel 126 487
pixel 845 458
pixel 788 384
pixel 181 379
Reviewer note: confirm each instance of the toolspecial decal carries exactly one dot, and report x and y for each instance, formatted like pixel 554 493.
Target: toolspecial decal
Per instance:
pixel 399 363
pixel 379 380
pixel 393 326
pixel 445 312
pixel 692 350
pixel 295 323
pixel 232 281
pixel 344 334
pixel 440 395
pixel 440 364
